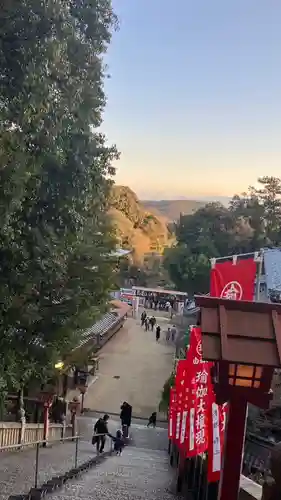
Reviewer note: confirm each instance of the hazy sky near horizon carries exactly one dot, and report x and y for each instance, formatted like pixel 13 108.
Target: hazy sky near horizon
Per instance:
pixel 194 100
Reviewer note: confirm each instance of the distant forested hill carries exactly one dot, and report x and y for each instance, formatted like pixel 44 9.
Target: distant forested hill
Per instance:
pixel 137 228
pixel 171 209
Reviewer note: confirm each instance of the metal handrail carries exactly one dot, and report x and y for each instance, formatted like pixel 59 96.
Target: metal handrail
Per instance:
pixel 46 441
pixel 38 444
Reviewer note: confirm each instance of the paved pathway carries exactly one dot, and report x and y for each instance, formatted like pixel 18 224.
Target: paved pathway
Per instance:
pixel 17 469
pixel 133 368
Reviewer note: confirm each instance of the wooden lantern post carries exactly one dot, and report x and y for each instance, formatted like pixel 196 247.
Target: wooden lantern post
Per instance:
pixel 243 339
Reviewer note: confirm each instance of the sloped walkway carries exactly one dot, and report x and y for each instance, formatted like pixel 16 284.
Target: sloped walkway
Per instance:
pixel 133 368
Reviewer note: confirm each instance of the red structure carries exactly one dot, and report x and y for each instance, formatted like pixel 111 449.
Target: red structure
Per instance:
pixel 243 339
pixel 47 399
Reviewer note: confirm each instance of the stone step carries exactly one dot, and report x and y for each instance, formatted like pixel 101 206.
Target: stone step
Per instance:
pixel 136 475
pixel 140 435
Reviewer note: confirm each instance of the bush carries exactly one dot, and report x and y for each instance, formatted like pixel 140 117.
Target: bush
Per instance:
pixel 165 398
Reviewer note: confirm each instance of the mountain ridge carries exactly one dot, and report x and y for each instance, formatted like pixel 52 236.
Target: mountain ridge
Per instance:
pixel 138 229
pixel 171 209
pixel 147 226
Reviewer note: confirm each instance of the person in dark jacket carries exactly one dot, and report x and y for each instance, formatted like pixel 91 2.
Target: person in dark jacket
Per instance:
pixel 152 322
pixel 143 318
pixel 146 324
pixel 152 419
pixel 158 331
pixel 118 443
pixel 100 430
pixel 126 417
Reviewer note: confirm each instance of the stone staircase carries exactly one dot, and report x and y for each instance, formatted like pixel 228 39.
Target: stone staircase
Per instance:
pixel 140 435
pixel 149 438
pixel 137 474
pixel 17 469
pixel 141 472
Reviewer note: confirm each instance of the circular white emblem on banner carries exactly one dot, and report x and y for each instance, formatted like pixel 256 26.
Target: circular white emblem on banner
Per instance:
pixel 232 291
pixel 199 348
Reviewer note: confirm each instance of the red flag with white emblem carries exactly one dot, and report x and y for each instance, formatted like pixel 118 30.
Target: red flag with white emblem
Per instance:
pixel 236 281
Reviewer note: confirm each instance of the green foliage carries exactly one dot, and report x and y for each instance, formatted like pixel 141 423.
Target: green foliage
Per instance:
pixel 165 397
pixel 150 274
pixel 54 172
pixel 130 274
pixel 251 221
pixel 189 271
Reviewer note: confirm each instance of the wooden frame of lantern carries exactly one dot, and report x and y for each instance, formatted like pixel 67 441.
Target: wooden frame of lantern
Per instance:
pixel 243 339
pixel 252 382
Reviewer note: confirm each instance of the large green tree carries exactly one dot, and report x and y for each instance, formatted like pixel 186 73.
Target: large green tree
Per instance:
pixel 55 169
pixel 188 271
pixel 251 221
pixel 261 206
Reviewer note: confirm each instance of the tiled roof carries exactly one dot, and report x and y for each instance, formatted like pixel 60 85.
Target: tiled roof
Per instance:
pixel 99 328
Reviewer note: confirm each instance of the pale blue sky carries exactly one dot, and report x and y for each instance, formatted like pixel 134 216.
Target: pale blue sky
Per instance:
pixel 194 99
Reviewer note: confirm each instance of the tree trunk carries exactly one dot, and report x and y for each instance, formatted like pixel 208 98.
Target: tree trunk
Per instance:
pixel 21 410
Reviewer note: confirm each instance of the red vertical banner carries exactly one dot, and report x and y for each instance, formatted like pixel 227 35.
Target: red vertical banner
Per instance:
pixel 198 413
pixel 172 413
pixel 199 374
pixel 234 281
pixel 180 385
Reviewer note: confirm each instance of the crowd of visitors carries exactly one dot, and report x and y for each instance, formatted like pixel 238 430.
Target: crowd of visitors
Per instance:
pixel 149 323
pixel 158 303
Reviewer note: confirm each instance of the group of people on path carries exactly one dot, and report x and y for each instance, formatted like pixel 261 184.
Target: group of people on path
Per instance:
pixel 149 323
pixel 101 430
pixel 160 302
pixel 161 305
